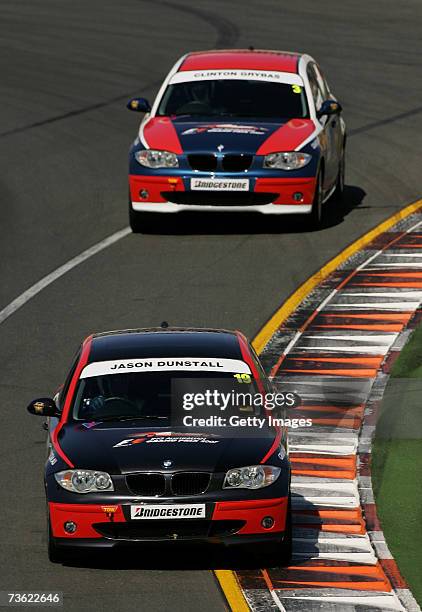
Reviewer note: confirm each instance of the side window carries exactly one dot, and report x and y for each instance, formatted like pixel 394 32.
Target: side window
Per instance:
pixel 315 88
pixel 65 388
pixel 322 82
pixel 261 371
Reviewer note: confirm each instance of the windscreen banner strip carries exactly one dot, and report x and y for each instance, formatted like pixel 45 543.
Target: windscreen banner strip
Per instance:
pixel 162 364
pixel 272 76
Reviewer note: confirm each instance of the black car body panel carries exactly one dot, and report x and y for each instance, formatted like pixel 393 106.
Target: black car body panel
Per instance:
pixel 167 469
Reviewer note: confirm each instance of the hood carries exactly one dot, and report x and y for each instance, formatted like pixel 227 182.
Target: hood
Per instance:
pixel 180 135
pixel 119 449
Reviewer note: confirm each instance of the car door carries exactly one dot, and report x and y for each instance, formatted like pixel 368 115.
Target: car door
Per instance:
pixel 329 125
pixel 336 121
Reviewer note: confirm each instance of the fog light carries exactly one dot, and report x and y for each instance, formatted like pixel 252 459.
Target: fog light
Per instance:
pixel 298 196
pixel 144 194
pixel 267 522
pixel 70 527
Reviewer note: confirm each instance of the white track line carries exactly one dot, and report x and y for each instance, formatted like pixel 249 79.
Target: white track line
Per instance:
pixel 404 264
pixel 27 295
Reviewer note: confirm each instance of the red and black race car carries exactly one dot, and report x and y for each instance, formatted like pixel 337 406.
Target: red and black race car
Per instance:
pixel 136 454
pixel 238 130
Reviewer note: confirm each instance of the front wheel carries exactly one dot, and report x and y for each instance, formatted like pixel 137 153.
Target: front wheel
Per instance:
pixel 287 546
pixel 339 190
pixel 315 216
pixel 276 554
pixel 55 554
pixel 140 222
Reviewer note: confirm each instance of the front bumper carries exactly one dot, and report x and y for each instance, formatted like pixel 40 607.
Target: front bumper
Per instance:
pixel 265 209
pixel 228 522
pixel 166 194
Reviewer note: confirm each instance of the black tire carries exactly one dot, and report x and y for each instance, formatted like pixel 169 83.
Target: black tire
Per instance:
pixel 287 546
pixel 339 190
pixel 141 222
pixel 277 554
pixel 55 553
pixel 315 216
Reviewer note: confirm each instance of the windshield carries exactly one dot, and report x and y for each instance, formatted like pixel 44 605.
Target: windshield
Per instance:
pixel 235 98
pixel 154 396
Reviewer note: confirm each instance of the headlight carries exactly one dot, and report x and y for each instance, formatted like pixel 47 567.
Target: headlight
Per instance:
pixel 292 160
pixel 251 477
pixel 156 159
pixel 84 481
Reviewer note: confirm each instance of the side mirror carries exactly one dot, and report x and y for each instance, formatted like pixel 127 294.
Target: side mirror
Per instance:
pixel 139 105
pixel 329 107
pixel 44 406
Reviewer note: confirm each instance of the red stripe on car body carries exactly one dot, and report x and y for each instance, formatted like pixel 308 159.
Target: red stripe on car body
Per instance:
pixel 86 347
pixel 253 511
pixel 241 59
pixel 288 137
pixel 85 516
pixel 247 358
pixel 154 186
pixel 159 133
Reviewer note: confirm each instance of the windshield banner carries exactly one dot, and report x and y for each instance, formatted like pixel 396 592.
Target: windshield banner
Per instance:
pixel 185 76
pixel 161 364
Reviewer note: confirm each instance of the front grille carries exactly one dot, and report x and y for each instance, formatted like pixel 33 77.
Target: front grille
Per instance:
pixel 204 163
pixel 216 198
pixel 236 163
pixel 190 483
pixel 167 529
pixel 182 483
pixel 229 163
pixel 146 484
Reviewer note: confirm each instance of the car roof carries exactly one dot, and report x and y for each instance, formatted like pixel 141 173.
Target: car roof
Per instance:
pixel 257 59
pixel 165 342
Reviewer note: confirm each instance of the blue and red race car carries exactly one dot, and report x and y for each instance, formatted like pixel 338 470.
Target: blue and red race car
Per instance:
pixel 238 130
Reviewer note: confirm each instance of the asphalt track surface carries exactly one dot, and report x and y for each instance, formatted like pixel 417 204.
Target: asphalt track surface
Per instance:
pixel 67 68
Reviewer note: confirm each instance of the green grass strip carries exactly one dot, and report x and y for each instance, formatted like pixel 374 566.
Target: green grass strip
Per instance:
pixel 409 363
pixel 398 493
pixel 397 463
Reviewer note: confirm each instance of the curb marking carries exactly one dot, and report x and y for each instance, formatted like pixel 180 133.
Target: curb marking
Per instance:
pixel 345 519
pixel 266 333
